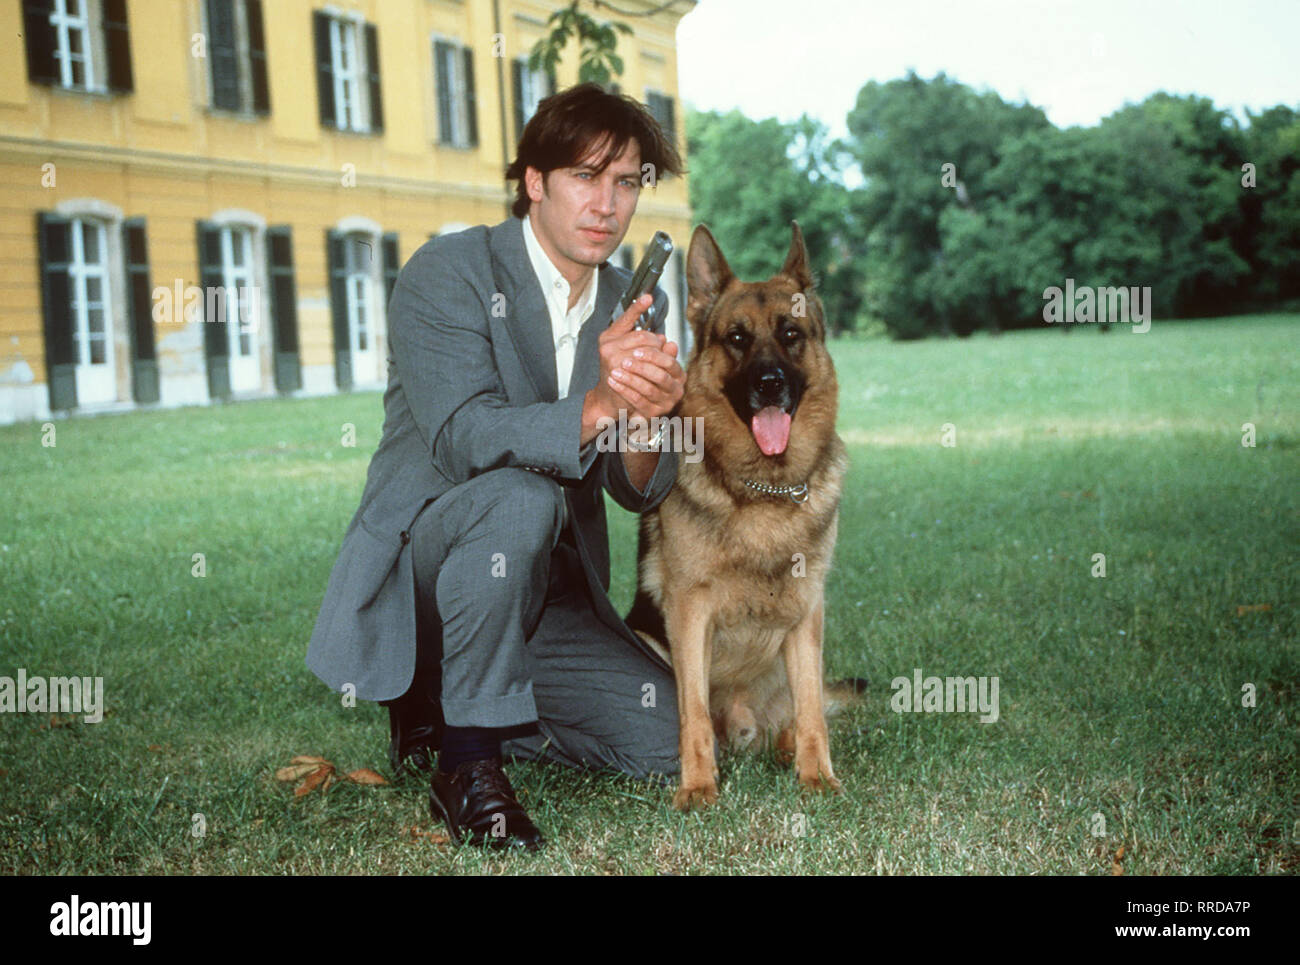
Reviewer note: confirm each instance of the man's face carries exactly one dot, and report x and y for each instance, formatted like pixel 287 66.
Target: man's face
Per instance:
pixel 579 216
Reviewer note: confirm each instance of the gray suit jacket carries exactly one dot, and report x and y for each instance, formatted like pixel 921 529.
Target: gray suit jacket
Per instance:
pixel 471 388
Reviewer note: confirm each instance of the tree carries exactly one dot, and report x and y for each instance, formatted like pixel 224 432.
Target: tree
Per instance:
pixel 903 133
pixel 1271 208
pixel 598 60
pixel 750 179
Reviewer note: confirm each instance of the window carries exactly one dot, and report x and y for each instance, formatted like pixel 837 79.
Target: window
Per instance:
pixel 661 107
pixel 88 274
pixel 241 308
pixel 78 44
pixel 347 79
pixel 237 56
pixel 363 266
pixel 96 305
pixel 347 74
pixel 453 66
pixel 356 266
pixel 237 262
pixel 232 306
pixel 531 86
pixel 76 265
pixel 72 49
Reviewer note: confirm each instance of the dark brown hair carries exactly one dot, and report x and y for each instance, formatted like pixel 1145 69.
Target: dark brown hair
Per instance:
pixel 570 123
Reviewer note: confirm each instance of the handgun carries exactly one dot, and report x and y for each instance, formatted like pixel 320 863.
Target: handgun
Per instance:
pixel 645 277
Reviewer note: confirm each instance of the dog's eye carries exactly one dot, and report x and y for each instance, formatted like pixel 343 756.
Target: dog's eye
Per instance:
pixel 791 335
pixel 738 337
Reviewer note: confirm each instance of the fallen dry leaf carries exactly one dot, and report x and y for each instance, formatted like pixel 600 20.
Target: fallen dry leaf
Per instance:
pixel 295 771
pixel 434 837
pixel 1117 869
pixel 1254 608
pixel 314 780
pixel 309 759
pixel 365 776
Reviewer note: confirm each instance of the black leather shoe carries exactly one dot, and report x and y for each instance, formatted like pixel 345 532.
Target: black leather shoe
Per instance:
pixel 478 805
pixel 412 742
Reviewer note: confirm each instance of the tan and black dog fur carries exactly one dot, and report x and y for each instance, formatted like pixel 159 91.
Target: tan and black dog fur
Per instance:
pixel 731 578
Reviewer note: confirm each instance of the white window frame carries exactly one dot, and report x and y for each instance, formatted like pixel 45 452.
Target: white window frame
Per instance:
pixel 459 91
pixel 533 84
pixel 236 278
pixel 113 294
pixel 79 273
pixel 351 80
pixel 359 285
pixel 368 366
pixel 87 24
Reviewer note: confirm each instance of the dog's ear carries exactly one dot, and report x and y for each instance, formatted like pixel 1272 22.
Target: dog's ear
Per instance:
pixel 796 262
pixel 707 274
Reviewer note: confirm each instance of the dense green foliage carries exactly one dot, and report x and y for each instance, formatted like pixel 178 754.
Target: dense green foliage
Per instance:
pixel 971 207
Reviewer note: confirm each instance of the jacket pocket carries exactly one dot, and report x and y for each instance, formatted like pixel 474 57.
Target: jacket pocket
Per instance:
pixel 370 559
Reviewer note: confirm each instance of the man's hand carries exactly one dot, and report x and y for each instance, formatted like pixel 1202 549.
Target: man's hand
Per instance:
pixel 638 372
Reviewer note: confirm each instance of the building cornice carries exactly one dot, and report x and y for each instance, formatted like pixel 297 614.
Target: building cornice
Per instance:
pixel 189 166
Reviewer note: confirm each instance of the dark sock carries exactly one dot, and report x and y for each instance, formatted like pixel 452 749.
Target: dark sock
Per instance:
pixel 461 744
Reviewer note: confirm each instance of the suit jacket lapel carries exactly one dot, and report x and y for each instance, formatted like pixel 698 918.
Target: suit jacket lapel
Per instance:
pixel 529 321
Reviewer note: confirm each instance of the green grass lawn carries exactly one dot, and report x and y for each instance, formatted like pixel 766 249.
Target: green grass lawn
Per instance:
pixel 1120 696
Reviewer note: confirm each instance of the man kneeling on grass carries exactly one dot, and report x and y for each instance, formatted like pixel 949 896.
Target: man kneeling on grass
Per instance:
pixel 469 595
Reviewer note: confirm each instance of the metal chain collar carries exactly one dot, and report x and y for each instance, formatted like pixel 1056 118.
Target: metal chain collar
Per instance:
pixel 798 494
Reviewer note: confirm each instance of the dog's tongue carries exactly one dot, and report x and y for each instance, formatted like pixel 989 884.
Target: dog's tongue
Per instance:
pixel 771 427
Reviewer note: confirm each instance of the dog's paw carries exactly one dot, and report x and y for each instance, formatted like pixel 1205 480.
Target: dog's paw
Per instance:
pixel 695 796
pixel 819 779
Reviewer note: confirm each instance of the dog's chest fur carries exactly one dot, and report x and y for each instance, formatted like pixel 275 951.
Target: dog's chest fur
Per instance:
pixel 765 571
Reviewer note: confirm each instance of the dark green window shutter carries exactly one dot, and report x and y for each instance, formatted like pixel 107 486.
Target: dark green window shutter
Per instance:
pixel 517 68
pixel 216 341
pixel 144 359
pixel 324 70
pixel 441 54
pixel 257 56
pixel 41 41
pixel 661 107
pixel 117 38
pixel 54 241
pixel 392 265
pixel 284 308
pixel 372 66
pixel 335 241
pixel 471 99
pixel 222 58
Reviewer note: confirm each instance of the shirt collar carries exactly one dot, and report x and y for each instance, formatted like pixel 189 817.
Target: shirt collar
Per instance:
pixel 548 275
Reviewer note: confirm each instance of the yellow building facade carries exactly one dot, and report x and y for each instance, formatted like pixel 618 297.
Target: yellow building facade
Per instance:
pixel 210 199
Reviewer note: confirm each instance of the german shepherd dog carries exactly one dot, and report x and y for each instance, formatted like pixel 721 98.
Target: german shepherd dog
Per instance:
pixel 732 564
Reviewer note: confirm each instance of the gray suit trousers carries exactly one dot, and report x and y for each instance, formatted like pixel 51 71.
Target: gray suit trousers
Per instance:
pixel 497 571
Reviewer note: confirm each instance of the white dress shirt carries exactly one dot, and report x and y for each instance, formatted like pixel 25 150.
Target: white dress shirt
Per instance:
pixel 566 322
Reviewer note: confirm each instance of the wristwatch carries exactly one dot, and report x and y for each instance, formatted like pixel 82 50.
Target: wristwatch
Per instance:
pixel 650 445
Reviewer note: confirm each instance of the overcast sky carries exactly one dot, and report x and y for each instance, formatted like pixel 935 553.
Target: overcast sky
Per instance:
pixel 1079 61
